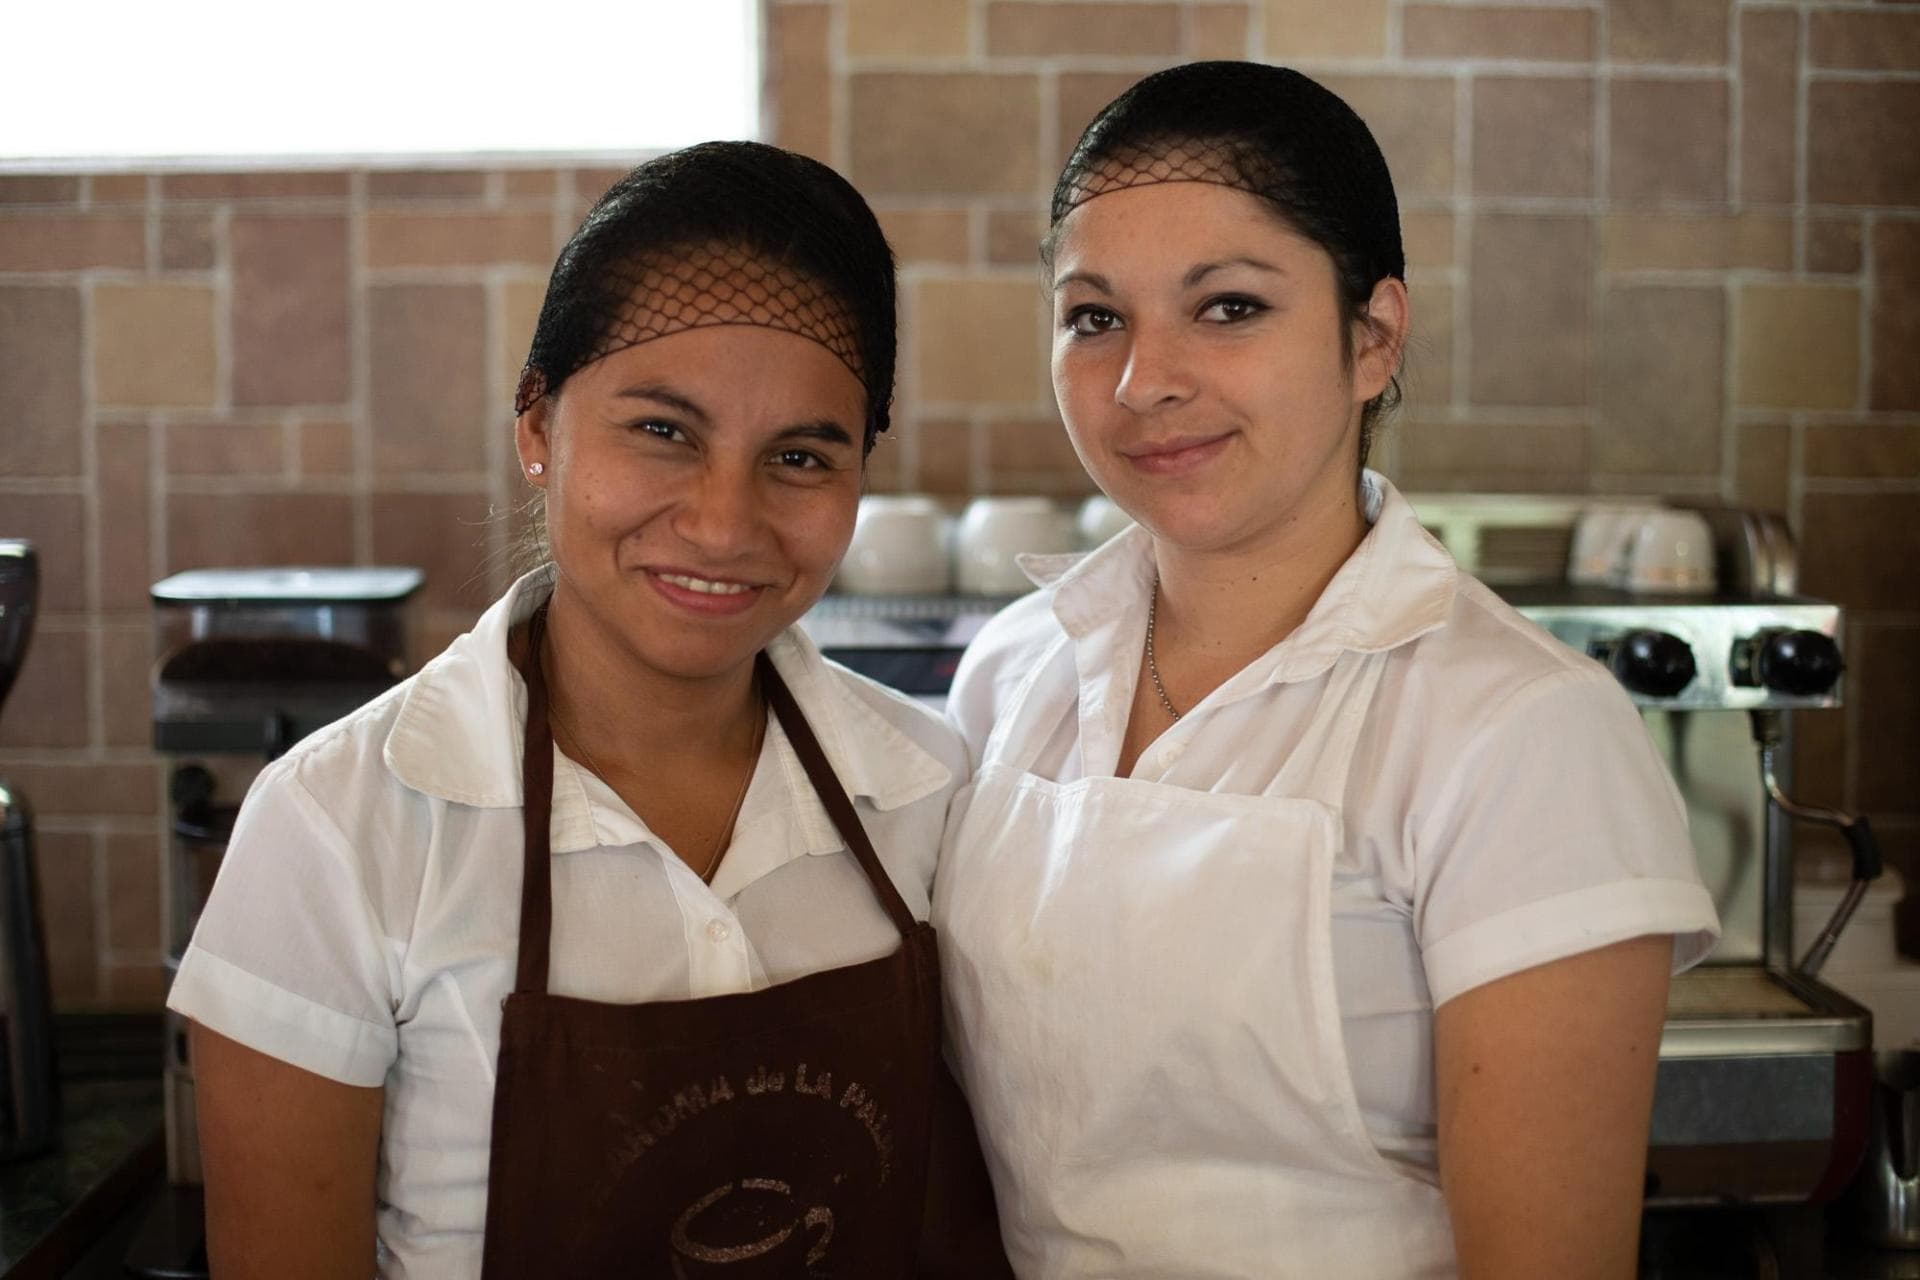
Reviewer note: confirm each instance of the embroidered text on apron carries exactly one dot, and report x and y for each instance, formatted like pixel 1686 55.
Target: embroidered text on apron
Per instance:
pixel 780 1132
pixel 1157 1097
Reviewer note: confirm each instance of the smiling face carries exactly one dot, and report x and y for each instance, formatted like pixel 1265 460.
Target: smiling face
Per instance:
pixel 700 490
pixel 1200 366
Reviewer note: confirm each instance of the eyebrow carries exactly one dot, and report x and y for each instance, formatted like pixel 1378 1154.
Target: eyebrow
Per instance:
pixel 1194 276
pixel 825 430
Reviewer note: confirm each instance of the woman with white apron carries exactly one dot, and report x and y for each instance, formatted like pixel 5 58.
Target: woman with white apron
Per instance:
pixel 1309 912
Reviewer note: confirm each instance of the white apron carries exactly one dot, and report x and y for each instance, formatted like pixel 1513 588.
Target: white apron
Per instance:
pixel 1140 979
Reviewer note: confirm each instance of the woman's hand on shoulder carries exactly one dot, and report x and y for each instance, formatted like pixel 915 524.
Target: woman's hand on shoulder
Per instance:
pixel 290 1159
pixel 1544 1084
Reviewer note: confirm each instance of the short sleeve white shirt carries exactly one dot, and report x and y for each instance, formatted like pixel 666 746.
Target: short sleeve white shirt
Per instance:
pixel 364 924
pixel 1505 808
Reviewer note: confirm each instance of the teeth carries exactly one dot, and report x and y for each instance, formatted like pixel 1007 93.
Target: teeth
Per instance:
pixel 706 587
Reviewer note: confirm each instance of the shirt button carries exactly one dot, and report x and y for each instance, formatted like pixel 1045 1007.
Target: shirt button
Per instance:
pixel 719 930
pixel 1170 753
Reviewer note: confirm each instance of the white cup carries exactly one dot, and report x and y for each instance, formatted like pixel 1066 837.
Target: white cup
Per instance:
pixel 1671 553
pixel 899 547
pixel 1602 537
pixel 1100 519
pixel 992 531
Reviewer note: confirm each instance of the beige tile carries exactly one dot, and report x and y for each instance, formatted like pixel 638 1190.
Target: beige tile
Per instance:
pixel 1533 136
pixel 1894 320
pixel 1013 237
pixel 312 185
pixel 187 242
pixel 1861 142
pixel 591 184
pixel 1835 245
pixel 133 892
pixel 946 458
pixel 445 534
pixel 225 448
pixel 1662 352
pixel 883 466
pixel 1428 238
pixel 1217 30
pixel 1763 467
pixel 71 789
pixel 1017 28
pixel 48 705
pixel 979 341
pixel 65 865
pixel 217 530
pixel 927 235
pixel 1696 241
pixel 1314 29
pixel 1860 550
pixel 126 692
pixel 56 525
pixel 530 183
pixel 153 344
pixel 428 377
pixel 292 326
pixel 118 188
pixel 426 184
pixel 39 188
pixel 1081 95
pixel 799 78
pixel 1426 372
pixel 1799 346
pixel 1505 31
pixel 326 448
pixel 1668 140
pixel 1429 450
pixel 1412 119
pixel 523 303
pixel 1863 451
pixel 410 238
pixel 1529 310
pixel 910 28
pixel 128 564
pixel 46 240
pixel 1690 32
pixel 133 986
pixel 1855 40
pixel 1041 445
pixel 40 380
pixel 957 132
pixel 1886 689
pixel 1769 88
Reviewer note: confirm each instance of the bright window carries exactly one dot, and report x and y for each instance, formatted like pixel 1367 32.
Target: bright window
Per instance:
pixel 195 80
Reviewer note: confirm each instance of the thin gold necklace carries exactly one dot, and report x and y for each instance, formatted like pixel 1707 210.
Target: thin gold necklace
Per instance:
pixel 1153 668
pixel 719 845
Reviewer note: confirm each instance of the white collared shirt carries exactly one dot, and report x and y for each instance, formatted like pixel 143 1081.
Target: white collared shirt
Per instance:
pixel 364 925
pixel 1505 808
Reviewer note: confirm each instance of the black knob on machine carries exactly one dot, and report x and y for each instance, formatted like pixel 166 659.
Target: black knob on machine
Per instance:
pixel 1803 664
pixel 1653 663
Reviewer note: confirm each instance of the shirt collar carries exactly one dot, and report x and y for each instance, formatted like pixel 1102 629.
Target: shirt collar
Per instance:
pixel 460 727
pixel 1398 585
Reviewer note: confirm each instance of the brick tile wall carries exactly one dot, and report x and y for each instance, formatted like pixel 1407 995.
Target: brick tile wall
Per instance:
pixel 1656 246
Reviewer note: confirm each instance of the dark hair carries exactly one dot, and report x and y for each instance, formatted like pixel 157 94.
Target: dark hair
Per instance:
pixel 1268 131
pixel 722 233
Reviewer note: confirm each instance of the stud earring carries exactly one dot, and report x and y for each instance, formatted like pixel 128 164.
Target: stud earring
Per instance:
pixel 536 468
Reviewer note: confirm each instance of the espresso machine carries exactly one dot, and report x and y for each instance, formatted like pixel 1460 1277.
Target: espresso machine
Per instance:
pixel 29 1086
pixel 1765 1072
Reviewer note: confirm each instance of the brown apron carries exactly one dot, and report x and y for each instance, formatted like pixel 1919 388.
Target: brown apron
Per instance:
pixel 781 1132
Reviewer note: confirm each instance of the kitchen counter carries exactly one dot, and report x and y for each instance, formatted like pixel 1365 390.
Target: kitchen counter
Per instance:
pixel 109 1150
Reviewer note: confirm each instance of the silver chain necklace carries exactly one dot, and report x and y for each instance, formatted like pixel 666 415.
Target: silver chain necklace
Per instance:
pixel 1153 668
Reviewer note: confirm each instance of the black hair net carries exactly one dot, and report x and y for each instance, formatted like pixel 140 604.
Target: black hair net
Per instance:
pixel 722 233
pixel 1268 131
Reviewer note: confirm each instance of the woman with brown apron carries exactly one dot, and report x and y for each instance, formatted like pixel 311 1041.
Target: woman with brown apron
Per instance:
pixel 599 946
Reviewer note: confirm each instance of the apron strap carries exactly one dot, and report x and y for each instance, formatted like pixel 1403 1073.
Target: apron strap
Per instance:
pixel 833 796
pixel 1333 733
pixel 536 812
